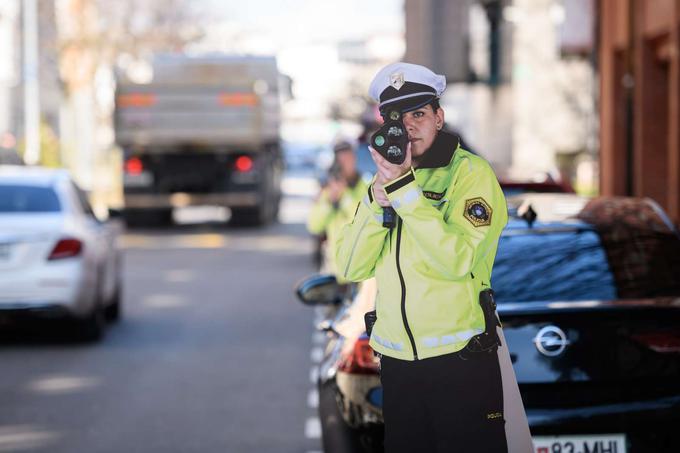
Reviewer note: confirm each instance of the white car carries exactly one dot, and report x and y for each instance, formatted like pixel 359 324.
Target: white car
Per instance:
pixel 56 258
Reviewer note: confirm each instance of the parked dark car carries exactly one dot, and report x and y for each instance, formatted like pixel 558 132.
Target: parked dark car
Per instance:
pixel 590 307
pixel 516 187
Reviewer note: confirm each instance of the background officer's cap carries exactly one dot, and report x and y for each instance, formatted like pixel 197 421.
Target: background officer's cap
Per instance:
pixel 342 145
pixel 406 86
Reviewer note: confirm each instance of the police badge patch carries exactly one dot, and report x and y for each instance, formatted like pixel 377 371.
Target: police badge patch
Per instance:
pixel 478 212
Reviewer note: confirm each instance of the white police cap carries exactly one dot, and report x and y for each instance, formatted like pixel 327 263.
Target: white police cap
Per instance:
pixel 409 85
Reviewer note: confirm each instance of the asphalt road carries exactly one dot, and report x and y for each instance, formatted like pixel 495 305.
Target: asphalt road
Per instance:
pixel 213 353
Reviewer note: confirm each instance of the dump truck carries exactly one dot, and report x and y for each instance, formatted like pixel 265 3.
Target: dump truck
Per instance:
pixel 201 131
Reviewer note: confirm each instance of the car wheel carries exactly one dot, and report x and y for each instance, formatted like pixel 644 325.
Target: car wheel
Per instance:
pixel 114 307
pixel 91 328
pixel 336 435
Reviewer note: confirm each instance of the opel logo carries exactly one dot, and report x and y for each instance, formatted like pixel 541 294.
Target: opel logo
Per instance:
pixel 551 341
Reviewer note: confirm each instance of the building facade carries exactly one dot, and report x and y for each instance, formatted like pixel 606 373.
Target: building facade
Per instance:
pixel 640 100
pixel 437 36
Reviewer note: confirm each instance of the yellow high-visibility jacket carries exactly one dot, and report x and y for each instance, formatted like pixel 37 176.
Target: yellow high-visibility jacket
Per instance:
pixel 432 265
pixel 325 217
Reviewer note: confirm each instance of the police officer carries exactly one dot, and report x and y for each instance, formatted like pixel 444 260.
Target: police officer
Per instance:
pixel 337 201
pixel 430 269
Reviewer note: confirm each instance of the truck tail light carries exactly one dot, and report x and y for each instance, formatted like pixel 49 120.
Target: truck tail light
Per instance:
pixel 362 360
pixel 237 99
pixel 66 248
pixel 134 166
pixel 243 164
pixel 136 100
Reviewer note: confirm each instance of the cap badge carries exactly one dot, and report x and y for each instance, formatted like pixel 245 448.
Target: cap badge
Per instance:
pixel 397 80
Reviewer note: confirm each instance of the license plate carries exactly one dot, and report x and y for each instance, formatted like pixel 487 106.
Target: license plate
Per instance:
pixel 601 443
pixel 4 251
pixel 142 179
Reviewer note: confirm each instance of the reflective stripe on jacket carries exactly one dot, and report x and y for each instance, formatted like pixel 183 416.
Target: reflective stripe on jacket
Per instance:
pixel 432 265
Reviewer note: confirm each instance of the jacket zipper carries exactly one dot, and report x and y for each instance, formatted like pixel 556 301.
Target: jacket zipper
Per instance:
pixel 403 292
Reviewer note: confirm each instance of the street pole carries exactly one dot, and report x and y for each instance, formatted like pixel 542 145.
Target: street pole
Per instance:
pixel 31 86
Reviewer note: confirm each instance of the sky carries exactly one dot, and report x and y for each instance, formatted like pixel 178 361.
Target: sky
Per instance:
pixel 303 35
pixel 272 25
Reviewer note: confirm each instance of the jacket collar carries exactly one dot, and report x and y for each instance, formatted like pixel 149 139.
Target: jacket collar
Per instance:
pixel 440 153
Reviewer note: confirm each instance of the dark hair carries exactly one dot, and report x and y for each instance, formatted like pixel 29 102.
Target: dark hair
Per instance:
pixel 342 145
pixel 434 103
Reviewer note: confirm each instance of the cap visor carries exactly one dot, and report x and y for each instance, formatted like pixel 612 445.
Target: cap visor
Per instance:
pixel 407 105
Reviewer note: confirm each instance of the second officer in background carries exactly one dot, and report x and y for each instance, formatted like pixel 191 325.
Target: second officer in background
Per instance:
pixel 337 202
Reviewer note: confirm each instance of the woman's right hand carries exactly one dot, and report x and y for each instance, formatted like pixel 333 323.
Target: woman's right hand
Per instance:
pixel 379 194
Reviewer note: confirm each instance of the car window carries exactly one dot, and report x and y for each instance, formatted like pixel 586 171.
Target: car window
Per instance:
pixel 22 198
pixel 570 265
pixel 645 262
pixel 619 262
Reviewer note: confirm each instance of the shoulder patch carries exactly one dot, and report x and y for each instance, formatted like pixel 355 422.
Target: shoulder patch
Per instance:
pixel 478 212
pixel 433 195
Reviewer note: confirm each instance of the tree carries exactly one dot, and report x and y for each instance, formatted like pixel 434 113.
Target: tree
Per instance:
pixel 95 33
pixel 96 37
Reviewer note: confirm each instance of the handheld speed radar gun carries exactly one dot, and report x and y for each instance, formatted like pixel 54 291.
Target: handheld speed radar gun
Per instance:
pixel 390 141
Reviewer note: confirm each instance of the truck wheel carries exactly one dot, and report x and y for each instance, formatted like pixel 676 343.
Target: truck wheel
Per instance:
pixel 248 216
pixel 257 216
pixel 147 217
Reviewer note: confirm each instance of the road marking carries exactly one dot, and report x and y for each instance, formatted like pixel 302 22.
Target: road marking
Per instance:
pixel 164 301
pixel 174 241
pixel 313 428
pixel 26 437
pixel 313 399
pixel 313 424
pixel 62 384
pixel 269 243
pixel 316 354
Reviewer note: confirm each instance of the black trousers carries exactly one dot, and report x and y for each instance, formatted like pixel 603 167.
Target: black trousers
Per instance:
pixel 443 405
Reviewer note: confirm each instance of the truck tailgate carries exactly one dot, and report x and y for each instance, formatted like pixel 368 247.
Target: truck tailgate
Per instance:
pixel 157 114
